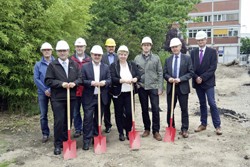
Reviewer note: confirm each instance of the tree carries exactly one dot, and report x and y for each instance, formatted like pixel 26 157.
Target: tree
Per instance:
pixel 245 45
pixel 24 26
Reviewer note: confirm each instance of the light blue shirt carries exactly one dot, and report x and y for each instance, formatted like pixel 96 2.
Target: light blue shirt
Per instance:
pixel 178 64
pixel 111 58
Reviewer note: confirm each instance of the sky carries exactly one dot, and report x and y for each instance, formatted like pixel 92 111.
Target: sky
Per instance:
pixel 245 14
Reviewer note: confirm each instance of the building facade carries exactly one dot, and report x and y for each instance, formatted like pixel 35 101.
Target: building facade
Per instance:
pixel 221 20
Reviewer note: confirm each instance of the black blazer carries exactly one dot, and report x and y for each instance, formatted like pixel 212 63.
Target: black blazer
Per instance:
pixel 185 73
pixel 105 58
pixel 206 70
pixel 136 72
pixel 88 76
pixel 55 76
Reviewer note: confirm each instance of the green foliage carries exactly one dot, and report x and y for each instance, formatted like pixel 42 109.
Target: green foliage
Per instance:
pixel 24 26
pixel 245 45
pixel 163 56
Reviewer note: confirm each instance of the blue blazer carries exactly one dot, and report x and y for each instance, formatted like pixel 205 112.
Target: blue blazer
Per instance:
pixel 185 73
pixel 88 76
pixel 206 70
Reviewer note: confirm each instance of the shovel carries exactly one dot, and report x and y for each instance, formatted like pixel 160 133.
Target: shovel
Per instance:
pixel 69 146
pixel 134 136
pixel 170 131
pixel 99 141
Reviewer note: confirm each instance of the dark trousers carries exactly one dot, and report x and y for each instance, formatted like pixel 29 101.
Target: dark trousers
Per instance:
pixel 77 115
pixel 60 120
pixel 209 93
pixel 152 94
pixel 90 121
pixel 183 101
pixel 107 113
pixel 123 112
pixel 43 107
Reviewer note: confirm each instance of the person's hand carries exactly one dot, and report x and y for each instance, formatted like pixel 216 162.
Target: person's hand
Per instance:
pixel 65 85
pixel 72 84
pixel 171 80
pixel 47 93
pixel 134 80
pixel 94 83
pixel 102 83
pixel 177 80
pixel 160 92
pixel 198 80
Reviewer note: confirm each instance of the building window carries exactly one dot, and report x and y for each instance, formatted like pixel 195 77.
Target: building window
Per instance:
pixel 220 17
pixel 192 33
pixel 207 19
pixel 234 16
pixel 232 33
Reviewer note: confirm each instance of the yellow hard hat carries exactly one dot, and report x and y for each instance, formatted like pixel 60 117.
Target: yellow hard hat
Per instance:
pixel 110 42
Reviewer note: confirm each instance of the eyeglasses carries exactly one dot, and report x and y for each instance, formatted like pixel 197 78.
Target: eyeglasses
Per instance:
pixel 61 50
pixel 97 55
pixel 47 50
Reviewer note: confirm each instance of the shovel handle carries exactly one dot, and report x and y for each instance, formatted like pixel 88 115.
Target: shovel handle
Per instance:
pixel 172 102
pixel 99 106
pixel 132 102
pixel 68 107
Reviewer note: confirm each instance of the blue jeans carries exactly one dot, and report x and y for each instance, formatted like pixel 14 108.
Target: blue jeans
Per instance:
pixel 77 115
pixel 209 94
pixel 43 107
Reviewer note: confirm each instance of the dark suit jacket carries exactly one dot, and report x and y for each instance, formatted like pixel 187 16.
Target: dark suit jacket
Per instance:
pixel 136 72
pixel 206 70
pixel 88 76
pixel 105 58
pixel 185 73
pixel 56 75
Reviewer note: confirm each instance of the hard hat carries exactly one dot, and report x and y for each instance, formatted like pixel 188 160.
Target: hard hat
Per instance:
pixel 110 42
pixel 175 42
pixel 123 48
pixel 201 35
pixel 146 40
pixel 80 42
pixel 46 45
pixel 62 45
pixel 97 49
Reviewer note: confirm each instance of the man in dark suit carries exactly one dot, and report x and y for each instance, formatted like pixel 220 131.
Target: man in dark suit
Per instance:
pixel 108 58
pixel 61 74
pixel 94 74
pixel 204 61
pixel 178 70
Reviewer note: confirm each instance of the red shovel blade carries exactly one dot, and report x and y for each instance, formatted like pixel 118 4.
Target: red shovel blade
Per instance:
pixel 69 148
pixel 170 134
pixel 100 144
pixel 134 139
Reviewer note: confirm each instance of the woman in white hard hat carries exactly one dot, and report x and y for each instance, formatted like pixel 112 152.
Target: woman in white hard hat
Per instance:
pixel 43 90
pixel 123 74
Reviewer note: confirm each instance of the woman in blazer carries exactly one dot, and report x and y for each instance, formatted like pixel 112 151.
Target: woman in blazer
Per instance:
pixel 123 74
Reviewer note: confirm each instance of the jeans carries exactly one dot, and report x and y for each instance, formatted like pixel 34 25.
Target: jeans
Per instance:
pixel 209 94
pixel 77 115
pixel 43 107
pixel 152 94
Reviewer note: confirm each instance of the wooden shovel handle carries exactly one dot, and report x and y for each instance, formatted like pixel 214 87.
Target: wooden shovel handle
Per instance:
pixel 172 101
pixel 99 106
pixel 68 107
pixel 132 102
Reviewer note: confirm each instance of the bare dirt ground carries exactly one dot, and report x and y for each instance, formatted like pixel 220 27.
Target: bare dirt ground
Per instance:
pixel 20 137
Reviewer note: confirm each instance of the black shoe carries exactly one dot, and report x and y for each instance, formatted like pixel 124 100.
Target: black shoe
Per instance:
pixel 85 146
pixel 77 134
pixel 45 139
pixel 121 137
pixel 57 151
pixel 107 130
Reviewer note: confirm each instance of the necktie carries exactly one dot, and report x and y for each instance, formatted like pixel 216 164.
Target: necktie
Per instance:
pixel 201 55
pixel 175 66
pixel 65 67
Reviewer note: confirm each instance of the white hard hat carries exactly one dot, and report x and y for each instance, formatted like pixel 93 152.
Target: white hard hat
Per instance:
pixel 175 42
pixel 62 45
pixel 146 40
pixel 123 48
pixel 46 45
pixel 80 42
pixel 96 49
pixel 201 35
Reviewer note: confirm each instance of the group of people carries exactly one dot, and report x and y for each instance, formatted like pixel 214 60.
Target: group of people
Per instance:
pixel 116 78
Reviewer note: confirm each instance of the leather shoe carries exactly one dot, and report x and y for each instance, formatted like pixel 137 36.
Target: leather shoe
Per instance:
pixel 146 133
pixel 157 136
pixel 107 130
pixel 57 151
pixel 45 139
pixel 184 134
pixel 200 128
pixel 85 146
pixel 121 137
pixel 218 131
pixel 77 134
